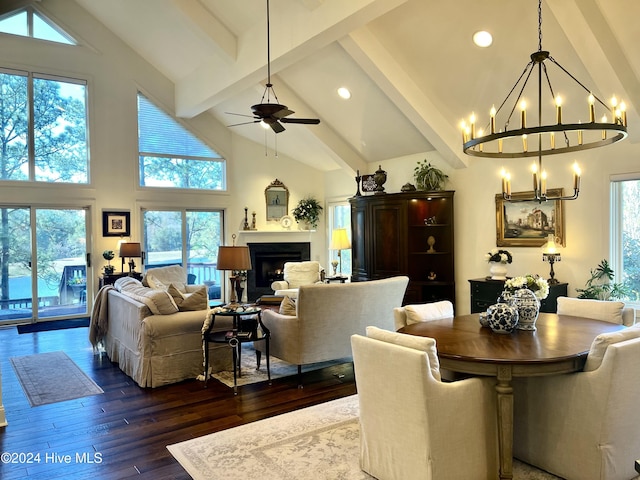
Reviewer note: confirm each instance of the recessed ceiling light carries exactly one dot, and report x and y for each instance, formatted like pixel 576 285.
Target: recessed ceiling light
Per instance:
pixel 482 39
pixel 344 93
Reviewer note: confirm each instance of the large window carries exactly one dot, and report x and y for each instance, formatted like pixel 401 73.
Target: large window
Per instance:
pixel 30 23
pixel 171 156
pixel 52 147
pixel 625 232
pixel 340 217
pixel 185 237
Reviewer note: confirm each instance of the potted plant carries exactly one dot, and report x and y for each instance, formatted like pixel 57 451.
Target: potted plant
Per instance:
pixel 108 255
pixel 599 286
pixel 308 211
pixel 428 177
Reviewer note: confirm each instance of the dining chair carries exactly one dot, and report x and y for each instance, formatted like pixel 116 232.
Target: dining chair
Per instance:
pixel 605 310
pixel 412 425
pixel 423 312
pixel 583 426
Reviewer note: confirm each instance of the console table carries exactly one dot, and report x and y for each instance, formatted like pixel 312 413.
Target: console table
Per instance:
pixel 111 278
pixel 485 292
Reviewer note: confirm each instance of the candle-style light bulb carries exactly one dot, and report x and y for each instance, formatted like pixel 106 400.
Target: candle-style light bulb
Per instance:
pixel 503 175
pixel 614 106
pixel 543 183
pixel 463 128
pixel 500 144
pixel 604 132
pixel 576 176
pixel 552 139
pixel 492 119
pixel 508 184
pixel 579 137
pixel 472 120
pixel 523 114
pixel 592 108
pixel 534 170
pixel 623 110
pixel 480 133
pixel 524 143
pixel 558 109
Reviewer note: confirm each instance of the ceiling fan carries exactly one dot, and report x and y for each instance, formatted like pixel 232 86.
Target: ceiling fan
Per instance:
pixel 272 114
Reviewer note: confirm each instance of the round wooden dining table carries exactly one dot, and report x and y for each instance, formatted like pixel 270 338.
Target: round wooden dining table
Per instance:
pixel 559 344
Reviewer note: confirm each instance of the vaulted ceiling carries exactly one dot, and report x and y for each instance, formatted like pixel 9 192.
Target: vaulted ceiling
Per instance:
pixel 411 66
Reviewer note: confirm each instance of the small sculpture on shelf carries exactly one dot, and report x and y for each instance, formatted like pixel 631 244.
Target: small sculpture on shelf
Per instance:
pixel 431 241
pixel 253 221
pixel 245 226
pixel 380 177
pixel 358 178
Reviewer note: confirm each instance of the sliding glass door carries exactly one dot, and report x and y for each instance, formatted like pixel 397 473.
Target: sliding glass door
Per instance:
pixel 43 263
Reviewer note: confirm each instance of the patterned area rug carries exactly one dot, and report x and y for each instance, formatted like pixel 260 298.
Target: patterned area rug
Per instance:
pixel 52 377
pixel 278 368
pixel 323 439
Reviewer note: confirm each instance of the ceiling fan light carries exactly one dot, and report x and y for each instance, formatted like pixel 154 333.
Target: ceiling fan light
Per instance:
pixel 344 92
pixel 264 125
pixel 482 39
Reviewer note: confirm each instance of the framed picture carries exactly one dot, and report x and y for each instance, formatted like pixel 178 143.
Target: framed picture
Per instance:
pixel 527 223
pixel 116 224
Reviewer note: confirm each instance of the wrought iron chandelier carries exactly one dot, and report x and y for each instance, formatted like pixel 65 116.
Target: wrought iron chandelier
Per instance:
pixel 573 137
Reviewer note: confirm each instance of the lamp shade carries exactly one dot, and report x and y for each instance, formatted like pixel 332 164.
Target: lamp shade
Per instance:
pixel 550 247
pixel 339 239
pixel 233 258
pixel 130 249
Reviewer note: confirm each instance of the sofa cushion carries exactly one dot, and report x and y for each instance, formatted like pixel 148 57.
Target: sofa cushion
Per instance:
pixel 158 301
pixel 160 278
pixel 602 341
pixel 424 344
pixel 195 300
pixel 288 306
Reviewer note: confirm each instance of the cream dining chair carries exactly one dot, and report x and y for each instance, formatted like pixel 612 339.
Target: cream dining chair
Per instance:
pixel 413 426
pixel 583 426
pixel 605 310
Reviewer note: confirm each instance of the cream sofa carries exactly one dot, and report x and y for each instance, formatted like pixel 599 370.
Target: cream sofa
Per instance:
pixel 327 316
pixel 151 338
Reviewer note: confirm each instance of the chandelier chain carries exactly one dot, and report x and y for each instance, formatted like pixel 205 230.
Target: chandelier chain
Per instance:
pixel 539 25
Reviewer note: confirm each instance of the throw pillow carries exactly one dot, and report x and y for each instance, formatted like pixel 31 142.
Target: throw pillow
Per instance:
pixel 602 341
pixel 160 278
pixel 424 344
pixel 158 301
pixel 196 300
pixel 288 306
pixel 428 311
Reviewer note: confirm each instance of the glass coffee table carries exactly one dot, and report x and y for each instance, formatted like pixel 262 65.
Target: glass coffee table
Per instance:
pixel 247 327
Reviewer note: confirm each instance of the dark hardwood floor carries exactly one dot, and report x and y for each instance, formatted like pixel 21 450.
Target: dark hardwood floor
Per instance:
pixel 125 431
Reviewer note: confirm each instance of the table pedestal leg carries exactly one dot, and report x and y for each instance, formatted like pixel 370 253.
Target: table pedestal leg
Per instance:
pixel 505 422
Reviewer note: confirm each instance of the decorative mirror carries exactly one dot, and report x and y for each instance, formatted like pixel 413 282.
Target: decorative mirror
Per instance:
pixel 277 198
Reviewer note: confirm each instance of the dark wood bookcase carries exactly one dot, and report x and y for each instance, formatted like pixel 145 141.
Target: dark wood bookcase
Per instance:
pixel 391 236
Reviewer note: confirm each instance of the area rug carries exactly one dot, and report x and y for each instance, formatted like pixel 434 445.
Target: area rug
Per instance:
pixel 52 377
pixel 320 442
pixel 278 368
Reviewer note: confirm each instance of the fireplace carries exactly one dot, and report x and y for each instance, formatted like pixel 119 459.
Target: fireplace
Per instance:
pixel 267 261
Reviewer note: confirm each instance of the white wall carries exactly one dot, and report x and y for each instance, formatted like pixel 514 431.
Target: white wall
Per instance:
pixel 586 219
pixel 114 74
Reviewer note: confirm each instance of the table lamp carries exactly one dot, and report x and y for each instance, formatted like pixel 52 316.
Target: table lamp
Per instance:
pixel 339 242
pixel 235 259
pixel 550 254
pixel 130 250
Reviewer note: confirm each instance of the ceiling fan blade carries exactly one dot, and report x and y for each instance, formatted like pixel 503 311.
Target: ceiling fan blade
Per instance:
pixel 307 121
pixel 276 127
pixel 285 112
pixel 244 123
pixel 240 114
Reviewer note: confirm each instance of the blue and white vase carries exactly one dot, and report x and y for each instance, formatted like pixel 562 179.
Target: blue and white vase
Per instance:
pixel 502 317
pixel 528 307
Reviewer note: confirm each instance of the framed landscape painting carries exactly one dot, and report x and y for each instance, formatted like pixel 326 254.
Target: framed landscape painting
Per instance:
pixel 527 223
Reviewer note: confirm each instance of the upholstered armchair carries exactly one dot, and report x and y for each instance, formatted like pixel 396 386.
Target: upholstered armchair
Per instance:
pixel 607 311
pixel 409 314
pixel 413 426
pixel 583 426
pixel 297 274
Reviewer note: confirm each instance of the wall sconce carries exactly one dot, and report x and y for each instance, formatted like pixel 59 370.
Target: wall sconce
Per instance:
pixel 131 250
pixel 339 242
pixel 550 254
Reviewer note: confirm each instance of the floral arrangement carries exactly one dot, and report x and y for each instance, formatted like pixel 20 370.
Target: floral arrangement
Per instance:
pixel 502 256
pixel 538 285
pixel 308 210
pixel 77 281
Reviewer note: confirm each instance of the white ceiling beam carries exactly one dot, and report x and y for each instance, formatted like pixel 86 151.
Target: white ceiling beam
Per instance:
pixel 382 68
pixel 596 45
pixel 209 85
pixel 223 38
